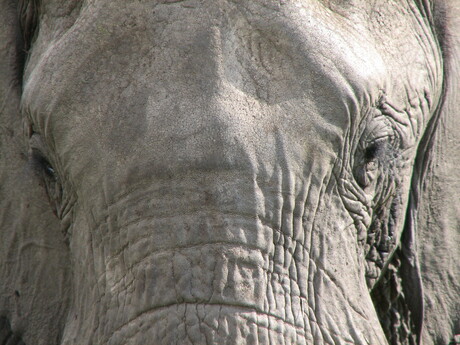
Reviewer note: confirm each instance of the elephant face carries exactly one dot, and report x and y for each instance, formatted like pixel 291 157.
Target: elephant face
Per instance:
pixel 232 171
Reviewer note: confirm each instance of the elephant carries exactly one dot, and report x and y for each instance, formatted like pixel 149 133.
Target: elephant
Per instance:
pixel 229 172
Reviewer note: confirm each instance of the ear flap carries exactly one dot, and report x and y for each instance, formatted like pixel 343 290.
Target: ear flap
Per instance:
pixel 436 194
pixel 34 260
pixel 418 299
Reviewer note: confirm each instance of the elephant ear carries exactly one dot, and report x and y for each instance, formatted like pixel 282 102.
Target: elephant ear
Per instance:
pixel 418 298
pixel 437 202
pixel 34 260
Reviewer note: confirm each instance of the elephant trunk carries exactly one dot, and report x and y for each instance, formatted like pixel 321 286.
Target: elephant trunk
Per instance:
pixel 234 262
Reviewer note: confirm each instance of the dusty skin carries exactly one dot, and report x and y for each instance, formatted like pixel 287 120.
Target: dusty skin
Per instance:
pixel 229 172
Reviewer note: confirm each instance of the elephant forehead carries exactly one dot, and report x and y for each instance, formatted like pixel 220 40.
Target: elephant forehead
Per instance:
pixel 173 83
pixel 286 51
pixel 273 53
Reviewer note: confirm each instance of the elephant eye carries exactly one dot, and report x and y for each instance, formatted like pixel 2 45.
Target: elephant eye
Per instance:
pixel 371 152
pixel 50 179
pixel 39 154
pixel 44 165
pixel 369 161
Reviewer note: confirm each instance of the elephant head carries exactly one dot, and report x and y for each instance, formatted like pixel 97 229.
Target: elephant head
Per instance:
pixel 228 172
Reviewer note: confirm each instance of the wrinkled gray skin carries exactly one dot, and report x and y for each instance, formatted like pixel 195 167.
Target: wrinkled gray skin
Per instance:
pixel 229 172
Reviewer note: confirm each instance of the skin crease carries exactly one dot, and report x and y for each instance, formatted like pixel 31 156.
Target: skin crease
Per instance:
pixel 215 166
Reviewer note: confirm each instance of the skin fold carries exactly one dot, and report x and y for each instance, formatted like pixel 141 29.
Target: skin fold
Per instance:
pixel 226 172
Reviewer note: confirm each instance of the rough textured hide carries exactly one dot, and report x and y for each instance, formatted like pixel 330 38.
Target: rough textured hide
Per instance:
pixel 34 285
pixel 438 216
pixel 238 172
